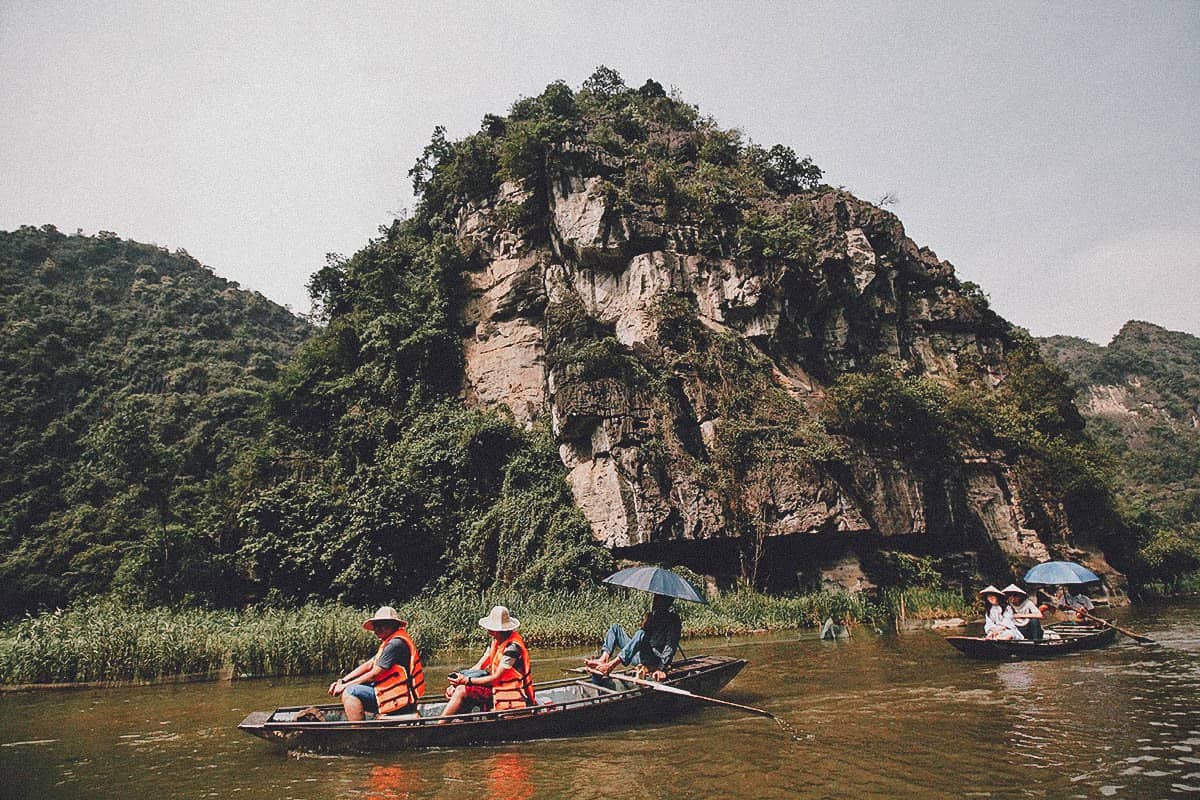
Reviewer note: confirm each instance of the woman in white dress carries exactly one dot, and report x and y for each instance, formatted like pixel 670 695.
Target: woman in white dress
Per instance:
pixel 997 619
pixel 994 625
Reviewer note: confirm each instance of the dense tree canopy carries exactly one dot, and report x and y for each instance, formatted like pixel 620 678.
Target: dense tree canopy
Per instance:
pixel 130 382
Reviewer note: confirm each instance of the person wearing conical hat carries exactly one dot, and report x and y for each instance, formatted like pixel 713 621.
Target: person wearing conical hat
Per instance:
pixel 997 622
pixel 1025 613
pixel 390 682
pixel 502 678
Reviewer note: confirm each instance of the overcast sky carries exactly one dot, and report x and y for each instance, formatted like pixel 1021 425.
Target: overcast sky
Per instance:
pixel 1048 150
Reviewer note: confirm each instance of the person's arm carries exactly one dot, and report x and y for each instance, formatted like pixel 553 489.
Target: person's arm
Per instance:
pixel 666 652
pixel 365 677
pixel 461 680
pixel 340 684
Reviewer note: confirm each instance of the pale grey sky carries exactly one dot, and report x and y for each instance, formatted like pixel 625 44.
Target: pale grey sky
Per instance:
pixel 1048 150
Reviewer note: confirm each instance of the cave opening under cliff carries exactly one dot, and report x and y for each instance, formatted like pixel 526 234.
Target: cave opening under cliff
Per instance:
pixel 807 562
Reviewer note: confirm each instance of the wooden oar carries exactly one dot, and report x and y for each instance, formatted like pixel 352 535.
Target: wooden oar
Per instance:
pixel 663 687
pixel 1137 637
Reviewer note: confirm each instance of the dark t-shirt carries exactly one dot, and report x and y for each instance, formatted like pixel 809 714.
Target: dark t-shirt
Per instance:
pixel 661 639
pixel 395 652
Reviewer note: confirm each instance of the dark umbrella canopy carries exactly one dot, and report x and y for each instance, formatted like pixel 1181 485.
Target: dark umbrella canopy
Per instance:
pixel 1060 572
pixel 656 580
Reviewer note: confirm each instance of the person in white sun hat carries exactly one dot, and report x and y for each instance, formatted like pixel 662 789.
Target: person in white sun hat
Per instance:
pixel 501 679
pixel 390 682
pixel 1027 617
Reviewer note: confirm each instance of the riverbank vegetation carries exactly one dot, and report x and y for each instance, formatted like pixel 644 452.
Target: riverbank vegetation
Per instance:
pixel 109 642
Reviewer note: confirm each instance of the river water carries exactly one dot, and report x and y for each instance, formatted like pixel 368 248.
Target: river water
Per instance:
pixel 893 715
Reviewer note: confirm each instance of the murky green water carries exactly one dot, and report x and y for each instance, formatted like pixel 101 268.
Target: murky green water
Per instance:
pixel 878 716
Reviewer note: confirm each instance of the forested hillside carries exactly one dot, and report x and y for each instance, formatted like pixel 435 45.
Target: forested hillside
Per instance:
pixel 1141 398
pixel 130 381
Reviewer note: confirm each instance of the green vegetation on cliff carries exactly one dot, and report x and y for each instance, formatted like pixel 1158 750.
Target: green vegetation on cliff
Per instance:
pixel 373 480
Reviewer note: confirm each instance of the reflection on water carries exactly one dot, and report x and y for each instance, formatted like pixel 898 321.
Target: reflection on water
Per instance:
pixel 387 781
pixel 508 776
pixel 894 716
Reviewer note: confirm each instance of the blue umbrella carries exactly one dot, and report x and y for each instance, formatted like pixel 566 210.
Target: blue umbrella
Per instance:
pixel 1060 572
pixel 656 580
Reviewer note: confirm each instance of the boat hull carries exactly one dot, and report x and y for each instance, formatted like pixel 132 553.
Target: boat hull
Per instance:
pixel 1073 639
pixel 582 708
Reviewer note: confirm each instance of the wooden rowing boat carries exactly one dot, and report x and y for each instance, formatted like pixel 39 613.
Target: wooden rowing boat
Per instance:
pixel 1070 637
pixel 565 708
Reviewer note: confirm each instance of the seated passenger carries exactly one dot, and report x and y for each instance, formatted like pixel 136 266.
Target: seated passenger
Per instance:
pixel 1025 613
pixel 502 678
pixel 1078 602
pixel 997 619
pixel 1062 599
pixel 653 646
pixel 391 681
pixel 835 628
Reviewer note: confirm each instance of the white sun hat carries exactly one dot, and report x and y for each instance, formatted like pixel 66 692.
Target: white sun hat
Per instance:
pixel 384 614
pixel 500 620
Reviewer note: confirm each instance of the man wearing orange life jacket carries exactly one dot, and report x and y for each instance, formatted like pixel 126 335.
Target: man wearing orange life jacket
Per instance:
pixel 501 679
pixel 392 680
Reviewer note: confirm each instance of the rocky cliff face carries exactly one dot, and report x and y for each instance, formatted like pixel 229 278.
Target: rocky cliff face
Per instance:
pixel 685 367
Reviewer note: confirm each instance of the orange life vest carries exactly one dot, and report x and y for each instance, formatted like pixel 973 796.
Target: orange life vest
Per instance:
pixel 514 687
pixel 400 685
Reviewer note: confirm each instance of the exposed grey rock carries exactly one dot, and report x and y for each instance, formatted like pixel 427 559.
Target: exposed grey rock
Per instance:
pixel 869 292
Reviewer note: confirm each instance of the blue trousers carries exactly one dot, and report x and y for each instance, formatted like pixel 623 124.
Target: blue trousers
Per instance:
pixel 617 640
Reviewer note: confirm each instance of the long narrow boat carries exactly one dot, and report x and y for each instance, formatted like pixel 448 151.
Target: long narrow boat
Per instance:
pixel 1068 637
pixel 565 708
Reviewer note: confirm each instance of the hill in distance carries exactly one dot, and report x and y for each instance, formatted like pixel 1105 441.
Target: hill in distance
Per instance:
pixel 130 379
pixel 1141 397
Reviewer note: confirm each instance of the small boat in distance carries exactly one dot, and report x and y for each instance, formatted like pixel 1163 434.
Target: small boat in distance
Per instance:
pixel 565 707
pixel 1067 637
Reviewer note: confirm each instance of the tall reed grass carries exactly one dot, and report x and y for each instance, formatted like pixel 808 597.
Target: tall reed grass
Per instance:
pixel 106 641
pixel 1184 585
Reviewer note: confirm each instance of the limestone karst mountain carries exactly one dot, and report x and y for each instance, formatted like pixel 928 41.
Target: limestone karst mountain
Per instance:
pixel 741 365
